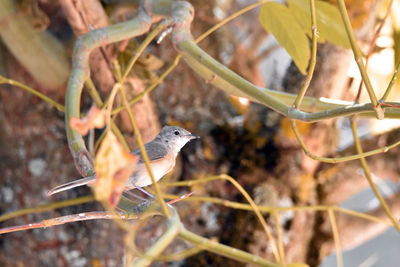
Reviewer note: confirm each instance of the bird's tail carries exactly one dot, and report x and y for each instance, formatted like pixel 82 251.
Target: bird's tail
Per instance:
pixel 84 181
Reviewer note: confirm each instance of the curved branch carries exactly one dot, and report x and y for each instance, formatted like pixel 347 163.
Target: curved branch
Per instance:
pixel 84 45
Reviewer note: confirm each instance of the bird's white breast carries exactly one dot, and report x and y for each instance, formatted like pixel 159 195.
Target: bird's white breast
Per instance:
pixel 159 168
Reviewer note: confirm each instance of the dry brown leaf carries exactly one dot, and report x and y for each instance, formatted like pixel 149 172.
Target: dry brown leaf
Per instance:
pixel 113 165
pixel 95 118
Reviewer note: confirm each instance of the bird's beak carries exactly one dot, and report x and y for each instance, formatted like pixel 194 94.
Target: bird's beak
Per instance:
pixel 192 136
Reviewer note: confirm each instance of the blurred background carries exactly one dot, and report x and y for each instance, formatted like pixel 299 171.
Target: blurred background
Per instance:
pixel 248 141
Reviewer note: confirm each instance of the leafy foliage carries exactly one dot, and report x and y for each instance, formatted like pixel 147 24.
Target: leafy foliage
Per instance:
pixel 292 24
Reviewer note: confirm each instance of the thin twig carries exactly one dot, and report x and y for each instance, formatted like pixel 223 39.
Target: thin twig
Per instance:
pixel 135 127
pixel 313 59
pixel 249 199
pixel 281 246
pixel 144 153
pixel 224 250
pixel 372 45
pixel 32 91
pixel 47 207
pixel 338 159
pixel 89 85
pixel 391 84
pixel 84 216
pixel 368 175
pixel 176 60
pixel 358 58
pixel 335 232
pixel 170 68
pixel 139 50
pixel 228 19
pixel 270 209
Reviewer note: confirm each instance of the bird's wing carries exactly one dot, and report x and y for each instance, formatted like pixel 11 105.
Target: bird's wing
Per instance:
pixel 154 150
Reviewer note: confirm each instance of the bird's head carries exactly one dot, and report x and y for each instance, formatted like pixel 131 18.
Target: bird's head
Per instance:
pixel 175 137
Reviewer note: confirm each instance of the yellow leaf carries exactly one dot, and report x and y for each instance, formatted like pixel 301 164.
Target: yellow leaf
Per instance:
pixel 329 22
pixel 113 166
pixel 94 119
pixel 279 20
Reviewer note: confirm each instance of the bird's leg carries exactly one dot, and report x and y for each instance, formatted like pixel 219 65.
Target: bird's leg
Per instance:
pixel 145 192
pixel 130 193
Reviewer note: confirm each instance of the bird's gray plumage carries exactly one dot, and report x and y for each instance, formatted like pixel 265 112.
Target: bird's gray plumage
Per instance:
pixel 154 151
pixel 162 152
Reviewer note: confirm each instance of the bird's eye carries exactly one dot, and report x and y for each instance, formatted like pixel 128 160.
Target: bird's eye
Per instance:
pixel 176 132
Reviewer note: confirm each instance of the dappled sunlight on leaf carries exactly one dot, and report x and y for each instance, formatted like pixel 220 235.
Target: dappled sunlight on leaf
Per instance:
pixel 113 165
pixel 95 118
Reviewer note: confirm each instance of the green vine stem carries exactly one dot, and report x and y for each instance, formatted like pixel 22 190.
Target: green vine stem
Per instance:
pixel 309 104
pixel 322 108
pixel 304 88
pixel 223 78
pixel 181 15
pixel 216 73
pixel 80 73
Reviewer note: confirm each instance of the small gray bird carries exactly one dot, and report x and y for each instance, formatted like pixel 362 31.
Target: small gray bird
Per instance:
pixel 162 152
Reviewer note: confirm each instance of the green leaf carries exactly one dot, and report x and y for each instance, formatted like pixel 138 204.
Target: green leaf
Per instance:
pixel 278 20
pixel 329 22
